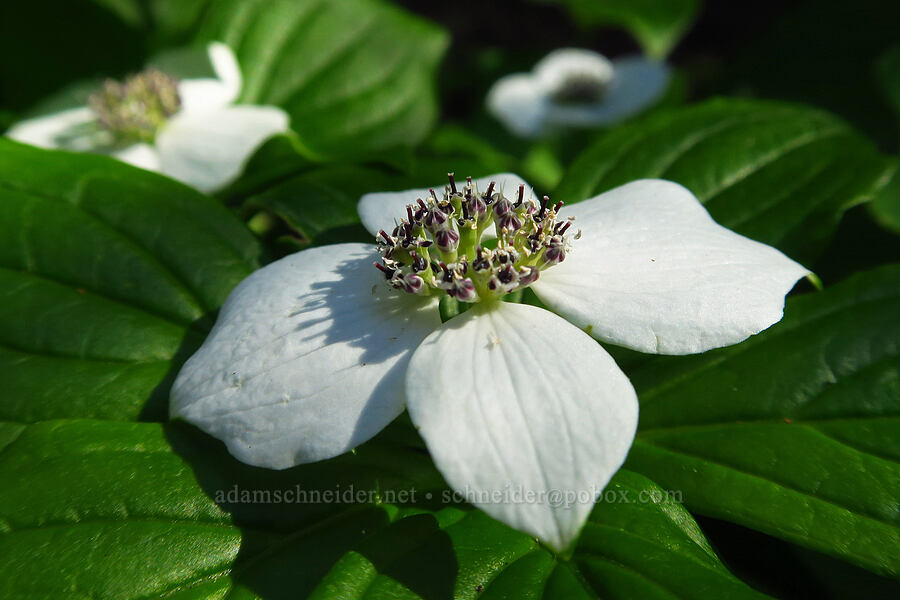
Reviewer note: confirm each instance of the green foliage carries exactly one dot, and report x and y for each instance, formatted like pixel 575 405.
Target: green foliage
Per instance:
pixel 795 432
pixel 355 76
pixel 107 272
pixel 779 173
pixel 127 510
pixel 110 277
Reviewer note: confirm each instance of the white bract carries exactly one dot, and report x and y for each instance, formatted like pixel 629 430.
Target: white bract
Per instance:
pixel 190 130
pixel 576 88
pixel 523 412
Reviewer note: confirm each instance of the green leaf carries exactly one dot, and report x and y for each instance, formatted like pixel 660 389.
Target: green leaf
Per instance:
pixel 885 206
pixel 795 432
pixel 356 76
pixel 320 202
pixel 104 269
pixel 657 24
pixel 128 510
pixel 778 173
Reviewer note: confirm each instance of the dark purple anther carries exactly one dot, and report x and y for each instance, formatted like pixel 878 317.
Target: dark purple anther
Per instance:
pixel 435 217
pixel 528 275
pixel 463 290
pixel 452 183
pixel 507 274
pixel 388 272
pixel 521 197
pixel 412 284
pixel 555 253
pixel 490 190
pixel 476 207
pixel 447 240
pixel 502 208
pixel 510 222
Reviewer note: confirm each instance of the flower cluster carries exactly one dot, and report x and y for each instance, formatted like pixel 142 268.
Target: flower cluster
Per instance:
pixel 438 246
pixel 572 87
pixel 187 128
pixel 136 109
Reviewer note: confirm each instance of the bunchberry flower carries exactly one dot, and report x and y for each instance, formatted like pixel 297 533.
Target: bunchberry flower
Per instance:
pixel 576 88
pixel 188 129
pixel 315 353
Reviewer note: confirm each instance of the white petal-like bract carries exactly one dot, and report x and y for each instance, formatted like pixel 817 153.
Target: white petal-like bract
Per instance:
pixel 520 103
pixel 525 415
pixel 71 129
pixel 307 359
pixel 206 93
pixel 208 149
pixel 635 84
pixel 655 273
pixel 556 68
pixel 527 104
pixel 144 156
pixel 382 210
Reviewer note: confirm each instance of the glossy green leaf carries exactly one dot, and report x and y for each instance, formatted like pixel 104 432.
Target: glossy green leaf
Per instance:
pixel 795 432
pixel 128 510
pixel 781 174
pixel 321 204
pixel 320 201
pixel 356 76
pixel 106 272
pixel 885 206
pixel 657 24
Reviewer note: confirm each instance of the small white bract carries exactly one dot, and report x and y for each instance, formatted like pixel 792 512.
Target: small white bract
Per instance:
pixel 314 354
pixel 576 88
pixel 190 130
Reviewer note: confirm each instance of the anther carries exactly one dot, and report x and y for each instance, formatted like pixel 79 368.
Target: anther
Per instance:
pixel 544 201
pixel 452 182
pixel 388 272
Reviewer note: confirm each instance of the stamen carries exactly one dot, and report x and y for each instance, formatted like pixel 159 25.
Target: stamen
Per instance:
pixel 437 247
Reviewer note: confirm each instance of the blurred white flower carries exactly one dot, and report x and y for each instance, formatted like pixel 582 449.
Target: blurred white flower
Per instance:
pixel 314 354
pixel 188 129
pixel 576 88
